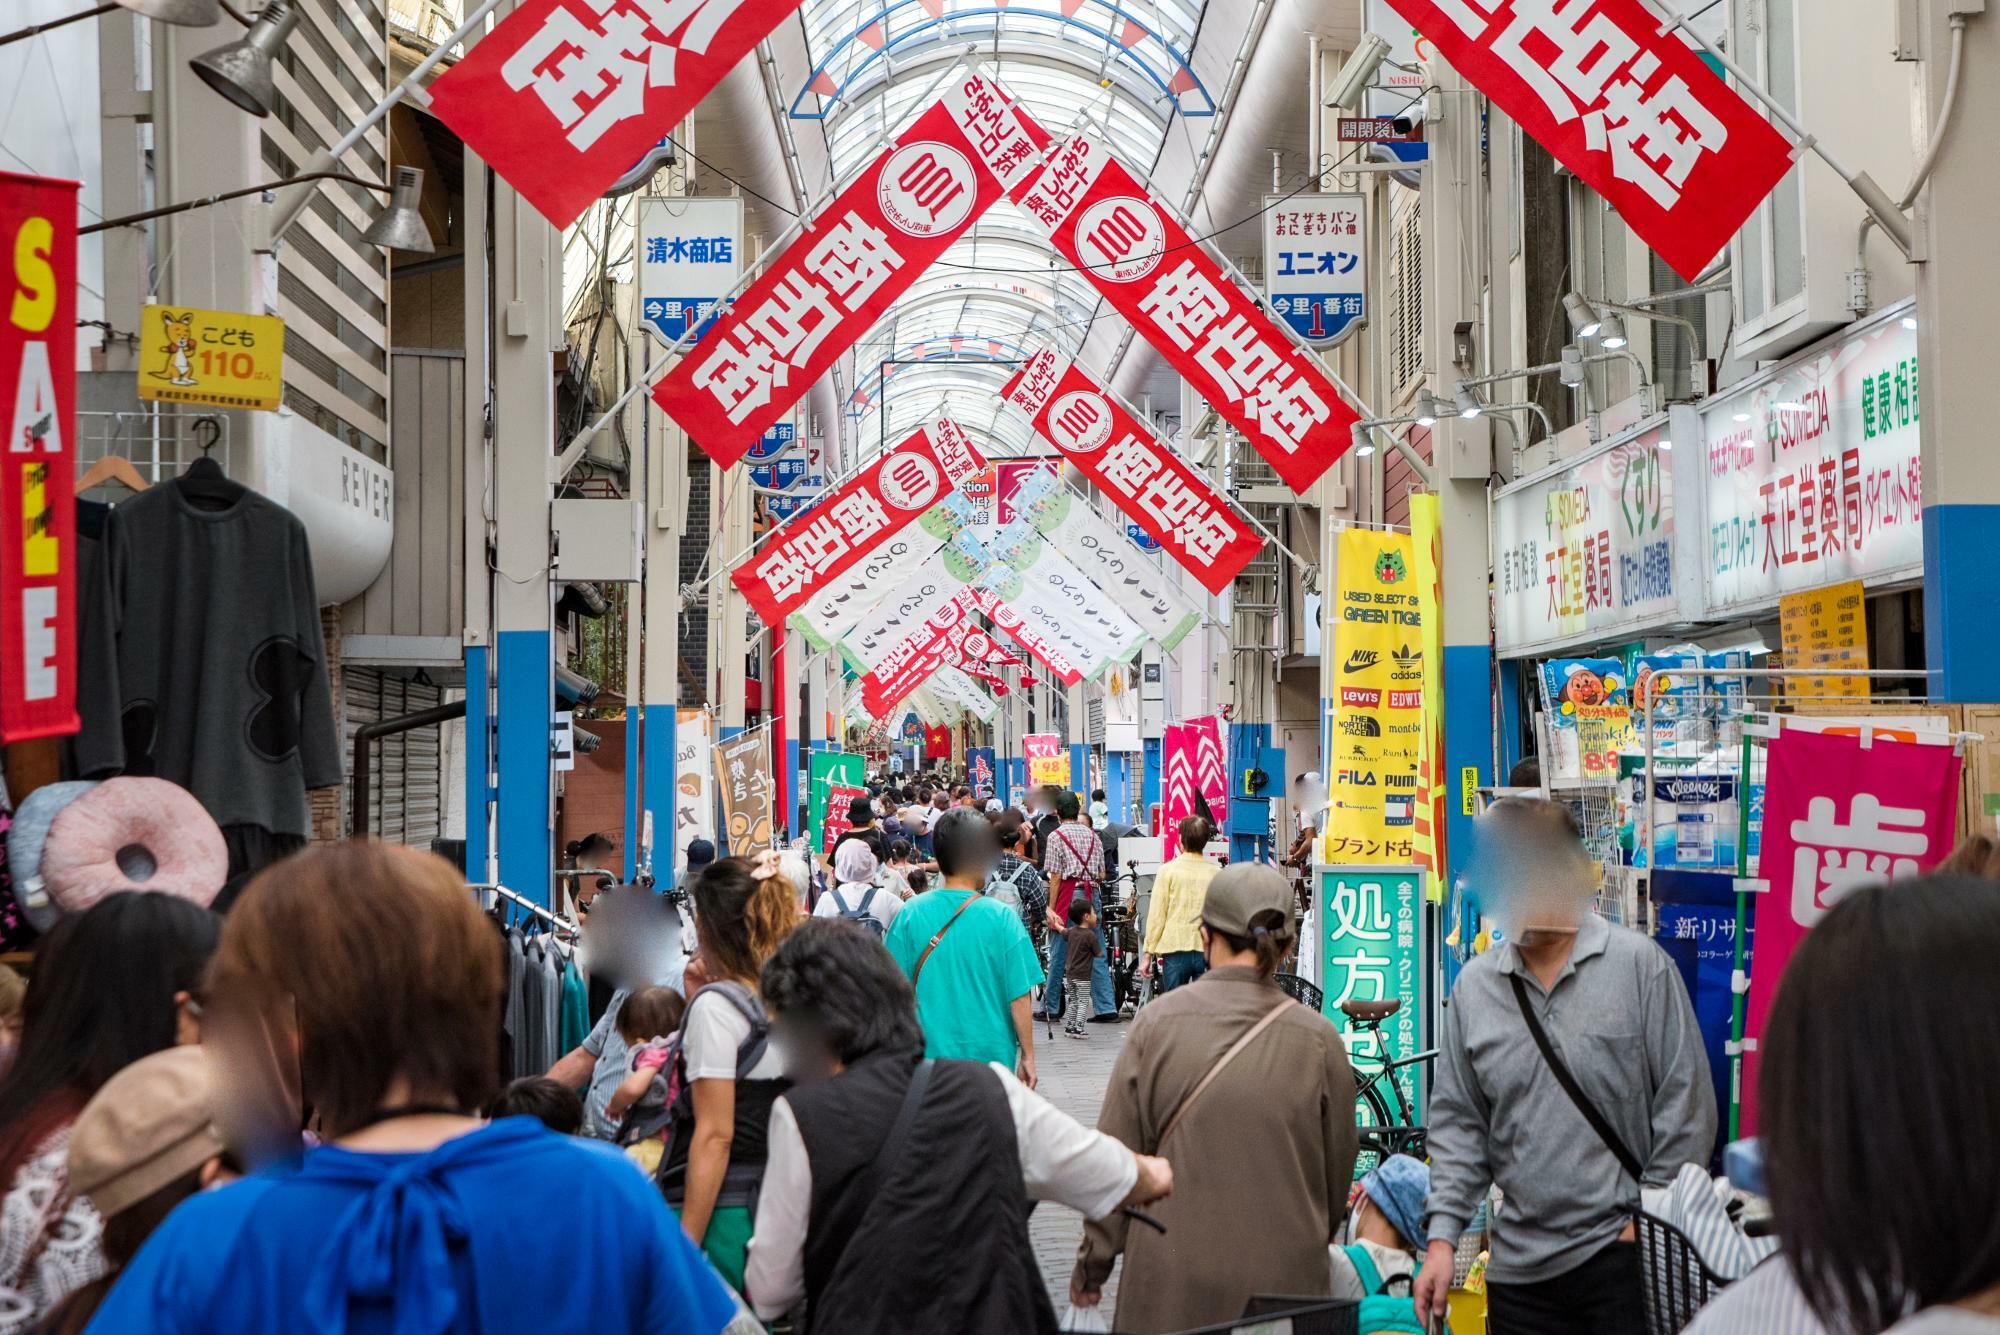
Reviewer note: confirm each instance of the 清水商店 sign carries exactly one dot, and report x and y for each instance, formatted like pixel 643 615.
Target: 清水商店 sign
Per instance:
pixel 845 525
pixel 690 258
pixel 1838 815
pixel 1586 550
pixel 1143 476
pixel 1176 296
pixel 563 97
pixel 834 282
pixel 1316 264
pixel 1814 474
pixel 38 466
pixel 1626 105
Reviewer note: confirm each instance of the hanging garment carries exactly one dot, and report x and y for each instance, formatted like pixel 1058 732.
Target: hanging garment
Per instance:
pixel 575 1006
pixel 202 661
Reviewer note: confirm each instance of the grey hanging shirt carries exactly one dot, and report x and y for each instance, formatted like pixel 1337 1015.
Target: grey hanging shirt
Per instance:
pixel 1620 1017
pixel 201 660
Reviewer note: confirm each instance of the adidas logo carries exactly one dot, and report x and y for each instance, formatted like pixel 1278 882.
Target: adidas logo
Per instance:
pixel 1361 660
pixel 1408 663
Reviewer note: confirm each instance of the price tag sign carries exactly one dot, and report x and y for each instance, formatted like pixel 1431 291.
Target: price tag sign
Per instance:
pixel 222 359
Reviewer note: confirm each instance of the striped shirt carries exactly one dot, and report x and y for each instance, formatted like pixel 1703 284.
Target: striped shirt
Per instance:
pixel 1764 1302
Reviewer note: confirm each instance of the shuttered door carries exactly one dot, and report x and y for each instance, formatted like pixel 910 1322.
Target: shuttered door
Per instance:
pixel 405 798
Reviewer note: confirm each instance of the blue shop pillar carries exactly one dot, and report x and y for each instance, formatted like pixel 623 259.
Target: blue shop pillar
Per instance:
pixel 1118 784
pixel 1149 783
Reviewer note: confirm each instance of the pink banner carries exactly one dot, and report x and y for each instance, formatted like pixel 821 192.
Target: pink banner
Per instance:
pixel 1211 767
pixel 1838 815
pixel 1177 777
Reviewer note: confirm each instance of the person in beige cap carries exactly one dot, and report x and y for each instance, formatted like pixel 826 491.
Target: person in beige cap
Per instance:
pixel 142 1145
pixel 1249 1095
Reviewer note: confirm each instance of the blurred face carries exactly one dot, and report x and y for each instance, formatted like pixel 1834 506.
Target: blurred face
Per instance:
pixel 1532 878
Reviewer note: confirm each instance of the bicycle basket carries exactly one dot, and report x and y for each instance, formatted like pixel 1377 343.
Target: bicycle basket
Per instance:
pixel 1299 990
pixel 1676 1283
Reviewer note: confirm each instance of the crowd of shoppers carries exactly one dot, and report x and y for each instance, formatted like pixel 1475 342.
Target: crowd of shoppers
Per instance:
pixel 290 1120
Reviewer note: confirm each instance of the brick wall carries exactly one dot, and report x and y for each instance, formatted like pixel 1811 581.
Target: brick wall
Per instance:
pixel 329 820
pixel 694 545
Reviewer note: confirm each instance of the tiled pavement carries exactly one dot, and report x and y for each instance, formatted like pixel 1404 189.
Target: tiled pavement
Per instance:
pixel 1072 1075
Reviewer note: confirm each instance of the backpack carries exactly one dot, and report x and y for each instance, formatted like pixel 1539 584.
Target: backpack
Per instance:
pixel 678 1129
pixel 1383 1313
pixel 1007 889
pixel 860 916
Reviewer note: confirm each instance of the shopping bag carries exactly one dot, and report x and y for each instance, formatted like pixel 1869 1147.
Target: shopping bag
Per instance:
pixel 1087 1320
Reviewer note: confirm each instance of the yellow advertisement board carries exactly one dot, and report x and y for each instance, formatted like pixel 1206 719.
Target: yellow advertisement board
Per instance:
pixel 1378 704
pixel 1825 628
pixel 220 359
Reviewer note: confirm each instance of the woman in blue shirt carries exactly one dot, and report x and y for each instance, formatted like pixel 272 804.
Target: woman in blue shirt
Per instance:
pixel 371 963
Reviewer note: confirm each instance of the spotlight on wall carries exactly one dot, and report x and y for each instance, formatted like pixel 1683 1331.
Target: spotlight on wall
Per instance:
pixel 1571 373
pixel 1469 405
pixel 241 71
pixel 1364 440
pixel 1584 321
pixel 399 226
pixel 1612 332
pixel 1428 409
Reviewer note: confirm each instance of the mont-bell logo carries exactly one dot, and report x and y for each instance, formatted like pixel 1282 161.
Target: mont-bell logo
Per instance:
pixel 1406 663
pixel 1361 660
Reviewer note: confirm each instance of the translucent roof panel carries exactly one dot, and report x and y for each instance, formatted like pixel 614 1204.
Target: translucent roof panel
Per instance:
pixel 1000 292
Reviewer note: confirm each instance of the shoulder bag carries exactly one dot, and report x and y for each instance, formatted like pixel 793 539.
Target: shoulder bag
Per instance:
pixel 918 971
pixel 1270 1017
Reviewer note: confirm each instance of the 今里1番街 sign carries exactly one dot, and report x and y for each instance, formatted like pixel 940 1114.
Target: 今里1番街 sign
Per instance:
pixel 38 476
pixel 220 359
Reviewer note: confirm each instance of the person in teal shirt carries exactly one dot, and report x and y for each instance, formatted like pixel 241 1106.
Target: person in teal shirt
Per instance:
pixel 968 956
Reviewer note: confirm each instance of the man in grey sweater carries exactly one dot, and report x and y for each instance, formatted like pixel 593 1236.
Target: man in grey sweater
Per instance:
pixel 1614 1011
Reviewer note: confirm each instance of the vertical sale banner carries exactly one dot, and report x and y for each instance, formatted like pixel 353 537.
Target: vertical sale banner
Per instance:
pixel 1048 759
pixel 1839 814
pixel 826 771
pixel 1378 645
pixel 38 465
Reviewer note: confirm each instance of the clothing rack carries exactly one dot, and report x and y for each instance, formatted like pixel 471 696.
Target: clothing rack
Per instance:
pixel 489 895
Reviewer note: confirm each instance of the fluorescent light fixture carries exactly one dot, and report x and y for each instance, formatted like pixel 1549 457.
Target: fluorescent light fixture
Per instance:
pixel 1469 406
pixel 1612 332
pixel 1742 417
pixel 1909 322
pixel 1584 320
pixel 1666 444
pixel 1788 406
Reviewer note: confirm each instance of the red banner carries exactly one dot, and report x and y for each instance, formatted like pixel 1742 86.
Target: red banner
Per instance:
pixel 1039 645
pixel 1838 815
pixel 841 528
pixel 1211 767
pixel 37 496
pixel 838 799
pixel 563 97
pixel 1628 107
pixel 937 742
pixel 1145 478
pixel 1177 778
pixel 911 661
pixel 834 282
pixel 1175 294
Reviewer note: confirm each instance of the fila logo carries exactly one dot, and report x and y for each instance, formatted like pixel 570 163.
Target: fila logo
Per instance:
pixel 1358 778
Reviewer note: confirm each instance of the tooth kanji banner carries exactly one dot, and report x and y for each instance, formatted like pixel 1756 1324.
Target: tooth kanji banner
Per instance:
pixel 1174 293
pixel 1629 108
pixel 37 489
pixel 1837 816
pixel 1141 474
pixel 844 526
pixel 834 282
pixel 563 97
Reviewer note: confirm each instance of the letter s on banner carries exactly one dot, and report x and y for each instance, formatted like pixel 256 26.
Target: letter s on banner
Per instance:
pixel 38 461
pixel 1632 110
pixel 562 97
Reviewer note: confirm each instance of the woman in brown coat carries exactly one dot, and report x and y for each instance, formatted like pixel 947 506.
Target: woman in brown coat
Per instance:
pixel 1263 1152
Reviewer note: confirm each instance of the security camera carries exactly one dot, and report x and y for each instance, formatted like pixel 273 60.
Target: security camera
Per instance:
pixel 1409 118
pixel 1358 70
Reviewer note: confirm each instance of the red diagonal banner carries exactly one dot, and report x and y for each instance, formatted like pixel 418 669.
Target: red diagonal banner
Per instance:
pixel 918 655
pixel 1174 293
pixel 835 281
pixel 845 525
pixel 565 96
pixel 1047 652
pixel 1154 486
pixel 1626 105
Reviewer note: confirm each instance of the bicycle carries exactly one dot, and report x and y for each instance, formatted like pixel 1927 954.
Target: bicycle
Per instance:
pixel 1118 915
pixel 1381 1133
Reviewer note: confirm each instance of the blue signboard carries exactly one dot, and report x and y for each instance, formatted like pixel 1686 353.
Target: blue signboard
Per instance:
pixel 1315 265
pixel 1143 538
pixel 690 258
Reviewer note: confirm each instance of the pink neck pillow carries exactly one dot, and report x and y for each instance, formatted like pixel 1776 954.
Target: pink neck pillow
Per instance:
pixel 133 834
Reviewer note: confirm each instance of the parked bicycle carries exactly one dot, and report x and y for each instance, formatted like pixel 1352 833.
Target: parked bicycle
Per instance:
pixel 1382 1111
